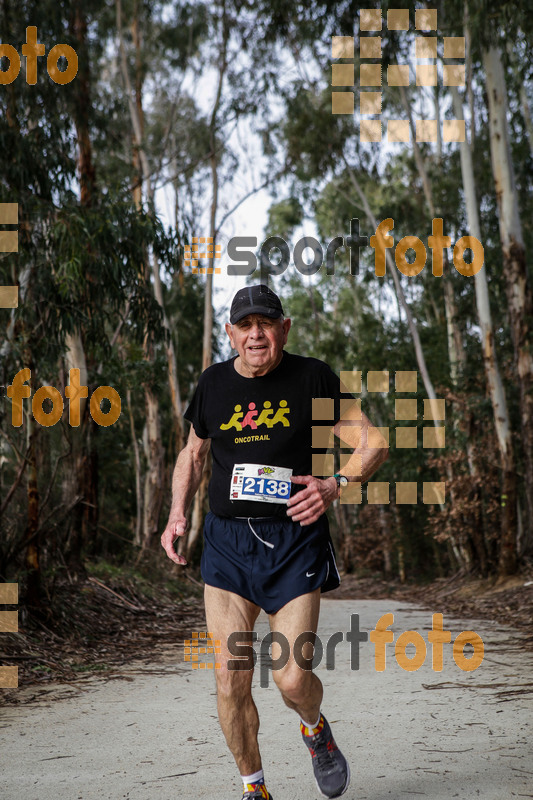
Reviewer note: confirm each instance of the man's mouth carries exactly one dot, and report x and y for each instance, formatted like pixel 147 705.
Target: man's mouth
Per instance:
pixel 257 347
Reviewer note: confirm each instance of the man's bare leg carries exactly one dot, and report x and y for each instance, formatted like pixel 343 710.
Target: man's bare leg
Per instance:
pixel 300 688
pixel 302 691
pixel 226 613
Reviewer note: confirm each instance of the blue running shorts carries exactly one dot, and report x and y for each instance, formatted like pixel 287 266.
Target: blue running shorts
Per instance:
pixel 268 560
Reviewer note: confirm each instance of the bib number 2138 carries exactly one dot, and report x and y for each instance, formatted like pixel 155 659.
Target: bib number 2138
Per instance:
pixel 271 487
pixel 260 482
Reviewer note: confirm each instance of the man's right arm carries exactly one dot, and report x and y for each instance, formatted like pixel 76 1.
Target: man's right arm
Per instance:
pixel 185 483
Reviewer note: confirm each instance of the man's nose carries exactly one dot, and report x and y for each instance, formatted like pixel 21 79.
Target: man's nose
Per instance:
pixel 257 329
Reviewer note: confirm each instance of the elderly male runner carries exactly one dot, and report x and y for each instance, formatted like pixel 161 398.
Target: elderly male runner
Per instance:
pixel 255 412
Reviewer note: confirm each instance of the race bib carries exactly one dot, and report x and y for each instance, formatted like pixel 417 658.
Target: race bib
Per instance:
pixel 261 483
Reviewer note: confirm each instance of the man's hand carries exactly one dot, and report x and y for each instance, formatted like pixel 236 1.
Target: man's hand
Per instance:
pixel 175 527
pixel 309 504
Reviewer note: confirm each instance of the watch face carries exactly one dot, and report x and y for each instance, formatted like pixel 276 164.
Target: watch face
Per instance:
pixel 343 481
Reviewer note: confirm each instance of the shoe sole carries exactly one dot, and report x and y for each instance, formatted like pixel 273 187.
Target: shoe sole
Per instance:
pixel 346 785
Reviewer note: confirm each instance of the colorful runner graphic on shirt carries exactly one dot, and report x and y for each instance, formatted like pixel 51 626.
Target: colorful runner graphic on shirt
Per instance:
pixel 253 419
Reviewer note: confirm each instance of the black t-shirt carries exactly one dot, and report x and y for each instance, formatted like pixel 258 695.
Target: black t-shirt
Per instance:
pixel 266 419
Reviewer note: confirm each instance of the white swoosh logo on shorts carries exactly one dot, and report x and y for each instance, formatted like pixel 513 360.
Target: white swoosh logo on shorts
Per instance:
pixel 309 574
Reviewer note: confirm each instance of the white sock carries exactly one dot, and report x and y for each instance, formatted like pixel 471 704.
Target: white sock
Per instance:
pixel 307 725
pixel 257 777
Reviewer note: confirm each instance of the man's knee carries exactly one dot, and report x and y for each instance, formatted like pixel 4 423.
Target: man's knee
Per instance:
pixel 293 681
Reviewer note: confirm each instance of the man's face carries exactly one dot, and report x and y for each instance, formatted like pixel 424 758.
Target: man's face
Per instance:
pixel 259 342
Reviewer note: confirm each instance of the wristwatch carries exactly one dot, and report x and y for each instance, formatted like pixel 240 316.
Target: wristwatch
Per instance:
pixel 342 481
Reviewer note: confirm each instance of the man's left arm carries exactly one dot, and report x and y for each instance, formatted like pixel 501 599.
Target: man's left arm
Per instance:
pixel 353 430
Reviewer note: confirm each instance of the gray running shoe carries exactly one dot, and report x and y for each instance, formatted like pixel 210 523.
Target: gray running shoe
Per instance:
pixel 332 773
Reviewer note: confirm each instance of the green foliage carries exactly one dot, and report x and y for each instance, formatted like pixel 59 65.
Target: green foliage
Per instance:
pixel 314 138
pixel 85 269
pixel 283 218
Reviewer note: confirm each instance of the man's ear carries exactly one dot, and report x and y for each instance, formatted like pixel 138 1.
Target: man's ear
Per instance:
pixel 286 329
pixel 229 331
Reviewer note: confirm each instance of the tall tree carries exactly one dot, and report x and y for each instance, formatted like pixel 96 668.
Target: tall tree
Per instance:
pixel 154 484
pixel 517 284
pixel 502 425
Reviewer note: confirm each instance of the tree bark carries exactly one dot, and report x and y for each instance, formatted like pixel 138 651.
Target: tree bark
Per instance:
pixel 419 353
pixel 80 486
pixel 137 537
pixel 384 523
pixel 213 125
pixel 456 352
pixel 140 158
pixel 153 483
pixel 507 554
pixel 32 562
pixel 189 542
pixel 82 104
pixel 154 480
pixel 519 299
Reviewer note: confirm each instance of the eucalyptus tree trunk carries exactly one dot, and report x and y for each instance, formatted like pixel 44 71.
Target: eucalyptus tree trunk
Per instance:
pixel 153 447
pixel 141 163
pixel 136 142
pixel 153 483
pixel 137 538
pixel 82 105
pixel 32 551
pixel 413 330
pixel 456 352
pixel 80 482
pixel 385 526
pixel 74 486
pixel 519 299
pixel 188 543
pixel 213 125
pixel 455 344
pixel 419 353
pixel 507 553
pixel 399 546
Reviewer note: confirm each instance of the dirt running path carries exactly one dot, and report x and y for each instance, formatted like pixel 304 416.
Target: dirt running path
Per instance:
pixel 153 733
